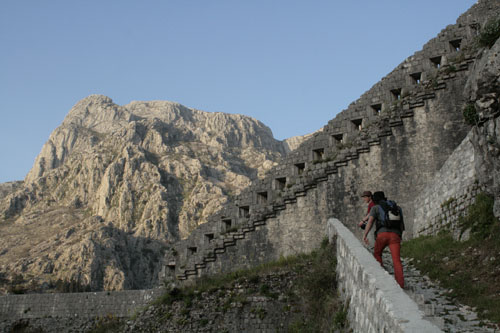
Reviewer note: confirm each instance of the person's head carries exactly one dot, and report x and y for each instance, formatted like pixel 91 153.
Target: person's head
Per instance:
pixel 378 196
pixel 367 196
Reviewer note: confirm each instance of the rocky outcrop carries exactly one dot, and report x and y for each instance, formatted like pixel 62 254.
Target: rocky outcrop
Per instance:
pixel 114 184
pixel 484 90
pixel 8 188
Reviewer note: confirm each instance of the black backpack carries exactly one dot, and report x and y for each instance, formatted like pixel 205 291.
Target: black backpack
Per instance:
pixel 391 215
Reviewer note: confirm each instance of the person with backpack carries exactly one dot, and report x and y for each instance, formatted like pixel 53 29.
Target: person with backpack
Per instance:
pixel 389 227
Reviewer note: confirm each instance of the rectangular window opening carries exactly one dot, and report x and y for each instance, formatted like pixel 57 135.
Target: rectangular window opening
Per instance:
pixel 226 223
pixel 396 94
pixel 244 211
pixel 280 183
pixel 318 154
pixel 209 237
pixel 377 108
pixel 455 44
pixel 262 198
pixel 338 138
pixel 192 250
pixel 300 168
pixel 436 61
pixel 358 123
pixel 416 77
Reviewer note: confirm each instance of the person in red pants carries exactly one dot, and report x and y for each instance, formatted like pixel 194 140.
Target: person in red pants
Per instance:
pixel 385 236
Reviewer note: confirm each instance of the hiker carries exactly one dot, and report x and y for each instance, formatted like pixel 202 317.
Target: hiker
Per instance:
pixel 387 233
pixel 367 198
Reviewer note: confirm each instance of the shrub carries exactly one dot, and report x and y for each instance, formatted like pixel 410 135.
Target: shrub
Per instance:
pixel 470 114
pixel 490 33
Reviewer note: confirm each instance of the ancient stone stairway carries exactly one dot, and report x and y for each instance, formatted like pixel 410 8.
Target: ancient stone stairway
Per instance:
pixel 289 196
pixel 432 300
pixel 317 171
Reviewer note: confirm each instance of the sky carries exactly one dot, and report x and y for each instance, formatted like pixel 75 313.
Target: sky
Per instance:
pixel 291 64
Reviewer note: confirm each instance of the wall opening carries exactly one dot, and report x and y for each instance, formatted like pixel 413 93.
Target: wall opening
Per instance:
pixel 171 267
pixel 244 211
pixel 436 61
pixel 226 224
pixel 455 44
pixel 377 108
pixel 262 198
pixel 416 77
pixel 396 94
pixel 280 183
pixel 300 167
pixel 192 250
pixel 209 237
pixel 338 138
pixel 357 124
pixel 318 154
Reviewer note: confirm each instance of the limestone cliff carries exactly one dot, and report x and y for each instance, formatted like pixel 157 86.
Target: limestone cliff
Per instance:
pixel 114 184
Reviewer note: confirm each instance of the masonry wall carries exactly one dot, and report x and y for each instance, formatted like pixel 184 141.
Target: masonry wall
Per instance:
pixel 82 305
pixel 376 302
pixel 449 193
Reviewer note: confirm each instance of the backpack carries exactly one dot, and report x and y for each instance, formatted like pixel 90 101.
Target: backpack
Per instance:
pixel 391 215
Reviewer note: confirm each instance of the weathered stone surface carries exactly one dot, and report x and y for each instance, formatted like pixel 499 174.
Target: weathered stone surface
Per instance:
pixel 114 184
pixel 484 91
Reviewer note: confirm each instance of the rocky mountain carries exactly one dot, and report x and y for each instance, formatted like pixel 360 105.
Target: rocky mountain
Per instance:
pixel 114 185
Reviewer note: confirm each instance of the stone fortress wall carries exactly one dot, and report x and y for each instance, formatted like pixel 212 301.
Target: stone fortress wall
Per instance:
pixel 395 138
pixel 447 196
pixel 75 305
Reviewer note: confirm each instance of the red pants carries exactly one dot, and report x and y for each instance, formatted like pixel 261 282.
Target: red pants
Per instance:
pixel 392 240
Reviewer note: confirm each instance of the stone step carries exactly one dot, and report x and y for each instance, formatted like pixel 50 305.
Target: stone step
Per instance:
pixel 247 229
pixel 279 207
pixel 200 265
pixel 239 235
pixel 220 251
pixel 384 133
pixel 189 272
pixel 297 194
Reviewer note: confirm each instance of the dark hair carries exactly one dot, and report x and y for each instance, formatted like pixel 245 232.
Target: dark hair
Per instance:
pixel 378 196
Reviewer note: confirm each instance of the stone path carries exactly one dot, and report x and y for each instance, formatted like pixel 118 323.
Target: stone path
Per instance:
pixel 441 310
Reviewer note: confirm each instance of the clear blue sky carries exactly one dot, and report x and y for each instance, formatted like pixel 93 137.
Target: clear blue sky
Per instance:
pixel 291 64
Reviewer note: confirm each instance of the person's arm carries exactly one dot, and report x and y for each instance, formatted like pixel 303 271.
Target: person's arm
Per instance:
pixel 363 221
pixel 367 229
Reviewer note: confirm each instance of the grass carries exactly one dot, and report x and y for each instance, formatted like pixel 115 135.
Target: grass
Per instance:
pixel 313 300
pixel 490 33
pixel 469 269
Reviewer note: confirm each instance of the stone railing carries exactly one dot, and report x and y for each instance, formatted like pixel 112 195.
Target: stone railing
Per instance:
pixel 376 302
pixel 119 304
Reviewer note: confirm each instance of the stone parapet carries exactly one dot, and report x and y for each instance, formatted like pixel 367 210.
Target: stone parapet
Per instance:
pixel 376 302
pixel 78 305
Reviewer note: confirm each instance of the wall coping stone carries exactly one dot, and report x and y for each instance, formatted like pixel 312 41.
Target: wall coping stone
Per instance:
pixel 386 293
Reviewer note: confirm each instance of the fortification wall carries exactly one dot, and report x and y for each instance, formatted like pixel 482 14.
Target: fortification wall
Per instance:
pixel 449 193
pixel 75 305
pixel 376 302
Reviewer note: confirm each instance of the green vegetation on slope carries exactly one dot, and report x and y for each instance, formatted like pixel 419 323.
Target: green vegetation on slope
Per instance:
pixel 470 269
pixel 301 287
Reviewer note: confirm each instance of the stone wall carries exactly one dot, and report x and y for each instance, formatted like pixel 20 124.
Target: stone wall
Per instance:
pixel 82 305
pixel 376 302
pixel 448 194
pixel 394 138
